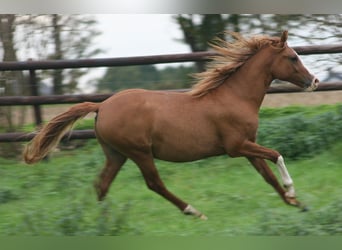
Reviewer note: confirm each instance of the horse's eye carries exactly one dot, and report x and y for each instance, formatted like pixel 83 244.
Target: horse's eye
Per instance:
pixel 293 58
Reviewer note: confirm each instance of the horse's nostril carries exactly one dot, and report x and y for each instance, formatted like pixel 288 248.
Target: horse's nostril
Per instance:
pixel 316 80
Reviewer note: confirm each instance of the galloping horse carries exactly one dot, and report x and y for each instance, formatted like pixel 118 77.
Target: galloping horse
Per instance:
pixel 218 116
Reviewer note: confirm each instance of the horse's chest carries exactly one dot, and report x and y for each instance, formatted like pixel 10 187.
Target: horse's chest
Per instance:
pixel 242 125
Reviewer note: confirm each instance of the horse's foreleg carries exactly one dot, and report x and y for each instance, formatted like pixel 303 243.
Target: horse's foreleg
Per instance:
pixel 148 169
pixel 251 149
pixel 262 167
pixel 256 153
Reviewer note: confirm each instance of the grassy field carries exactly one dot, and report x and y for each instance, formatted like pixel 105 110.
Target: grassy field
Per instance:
pixel 57 197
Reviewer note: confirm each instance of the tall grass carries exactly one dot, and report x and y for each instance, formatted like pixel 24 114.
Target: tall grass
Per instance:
pixel 301 134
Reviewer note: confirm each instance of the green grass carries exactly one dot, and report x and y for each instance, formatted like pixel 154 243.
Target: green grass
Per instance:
pixel 57 197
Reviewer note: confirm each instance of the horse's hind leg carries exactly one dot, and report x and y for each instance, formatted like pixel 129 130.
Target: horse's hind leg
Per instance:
pixel 148 169
pixel 114 162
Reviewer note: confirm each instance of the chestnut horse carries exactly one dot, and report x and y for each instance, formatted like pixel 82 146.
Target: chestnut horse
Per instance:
pixel 218 116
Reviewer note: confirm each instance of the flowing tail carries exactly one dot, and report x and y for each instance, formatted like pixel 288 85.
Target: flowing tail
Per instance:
pixel 50 135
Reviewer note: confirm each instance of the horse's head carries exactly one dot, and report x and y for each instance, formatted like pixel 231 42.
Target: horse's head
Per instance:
pixel 287 66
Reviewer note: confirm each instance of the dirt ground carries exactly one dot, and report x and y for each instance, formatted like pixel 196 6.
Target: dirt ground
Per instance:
pixel 303 98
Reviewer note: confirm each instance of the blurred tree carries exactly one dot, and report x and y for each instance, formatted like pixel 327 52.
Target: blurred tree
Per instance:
pixel 7 28
pixel 59 37
pixel 72 37
pixel 199 29
pixel 118 78
pixel 57 55
pixel 145 76
pixel 176 77
pixel 10 80
pixel 10 84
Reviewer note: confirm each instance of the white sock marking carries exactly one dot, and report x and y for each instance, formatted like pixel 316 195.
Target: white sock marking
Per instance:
pixel 285 177
pixel 191 210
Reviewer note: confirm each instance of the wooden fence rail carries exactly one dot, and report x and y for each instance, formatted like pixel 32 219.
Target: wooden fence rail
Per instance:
pixel 22 136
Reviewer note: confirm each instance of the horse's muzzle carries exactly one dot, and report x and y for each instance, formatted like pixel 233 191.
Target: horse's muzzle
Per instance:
pixel 312 85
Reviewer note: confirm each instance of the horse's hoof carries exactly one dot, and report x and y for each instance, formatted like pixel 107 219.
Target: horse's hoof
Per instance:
pixel 304 208
pixel 293 201
pixel 203 217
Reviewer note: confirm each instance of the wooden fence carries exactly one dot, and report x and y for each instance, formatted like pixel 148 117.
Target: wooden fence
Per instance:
pixel 35 100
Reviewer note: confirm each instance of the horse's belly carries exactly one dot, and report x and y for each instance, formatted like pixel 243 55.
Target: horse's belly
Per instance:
pixel 182 149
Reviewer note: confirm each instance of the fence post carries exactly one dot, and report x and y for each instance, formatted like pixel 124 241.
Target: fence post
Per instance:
pixel 35 92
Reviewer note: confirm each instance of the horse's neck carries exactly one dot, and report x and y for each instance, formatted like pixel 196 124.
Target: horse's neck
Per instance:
pixel 251 81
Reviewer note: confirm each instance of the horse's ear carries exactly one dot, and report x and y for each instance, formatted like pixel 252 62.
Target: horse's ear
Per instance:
pixel 284 36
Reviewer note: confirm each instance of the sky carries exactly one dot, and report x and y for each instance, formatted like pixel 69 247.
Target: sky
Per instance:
pixel 139 34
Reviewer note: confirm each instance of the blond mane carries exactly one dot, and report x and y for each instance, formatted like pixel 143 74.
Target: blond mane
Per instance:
pixel 231 56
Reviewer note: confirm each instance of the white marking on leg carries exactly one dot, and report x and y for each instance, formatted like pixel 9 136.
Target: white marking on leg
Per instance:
pixel 287 181
pixel 191 210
